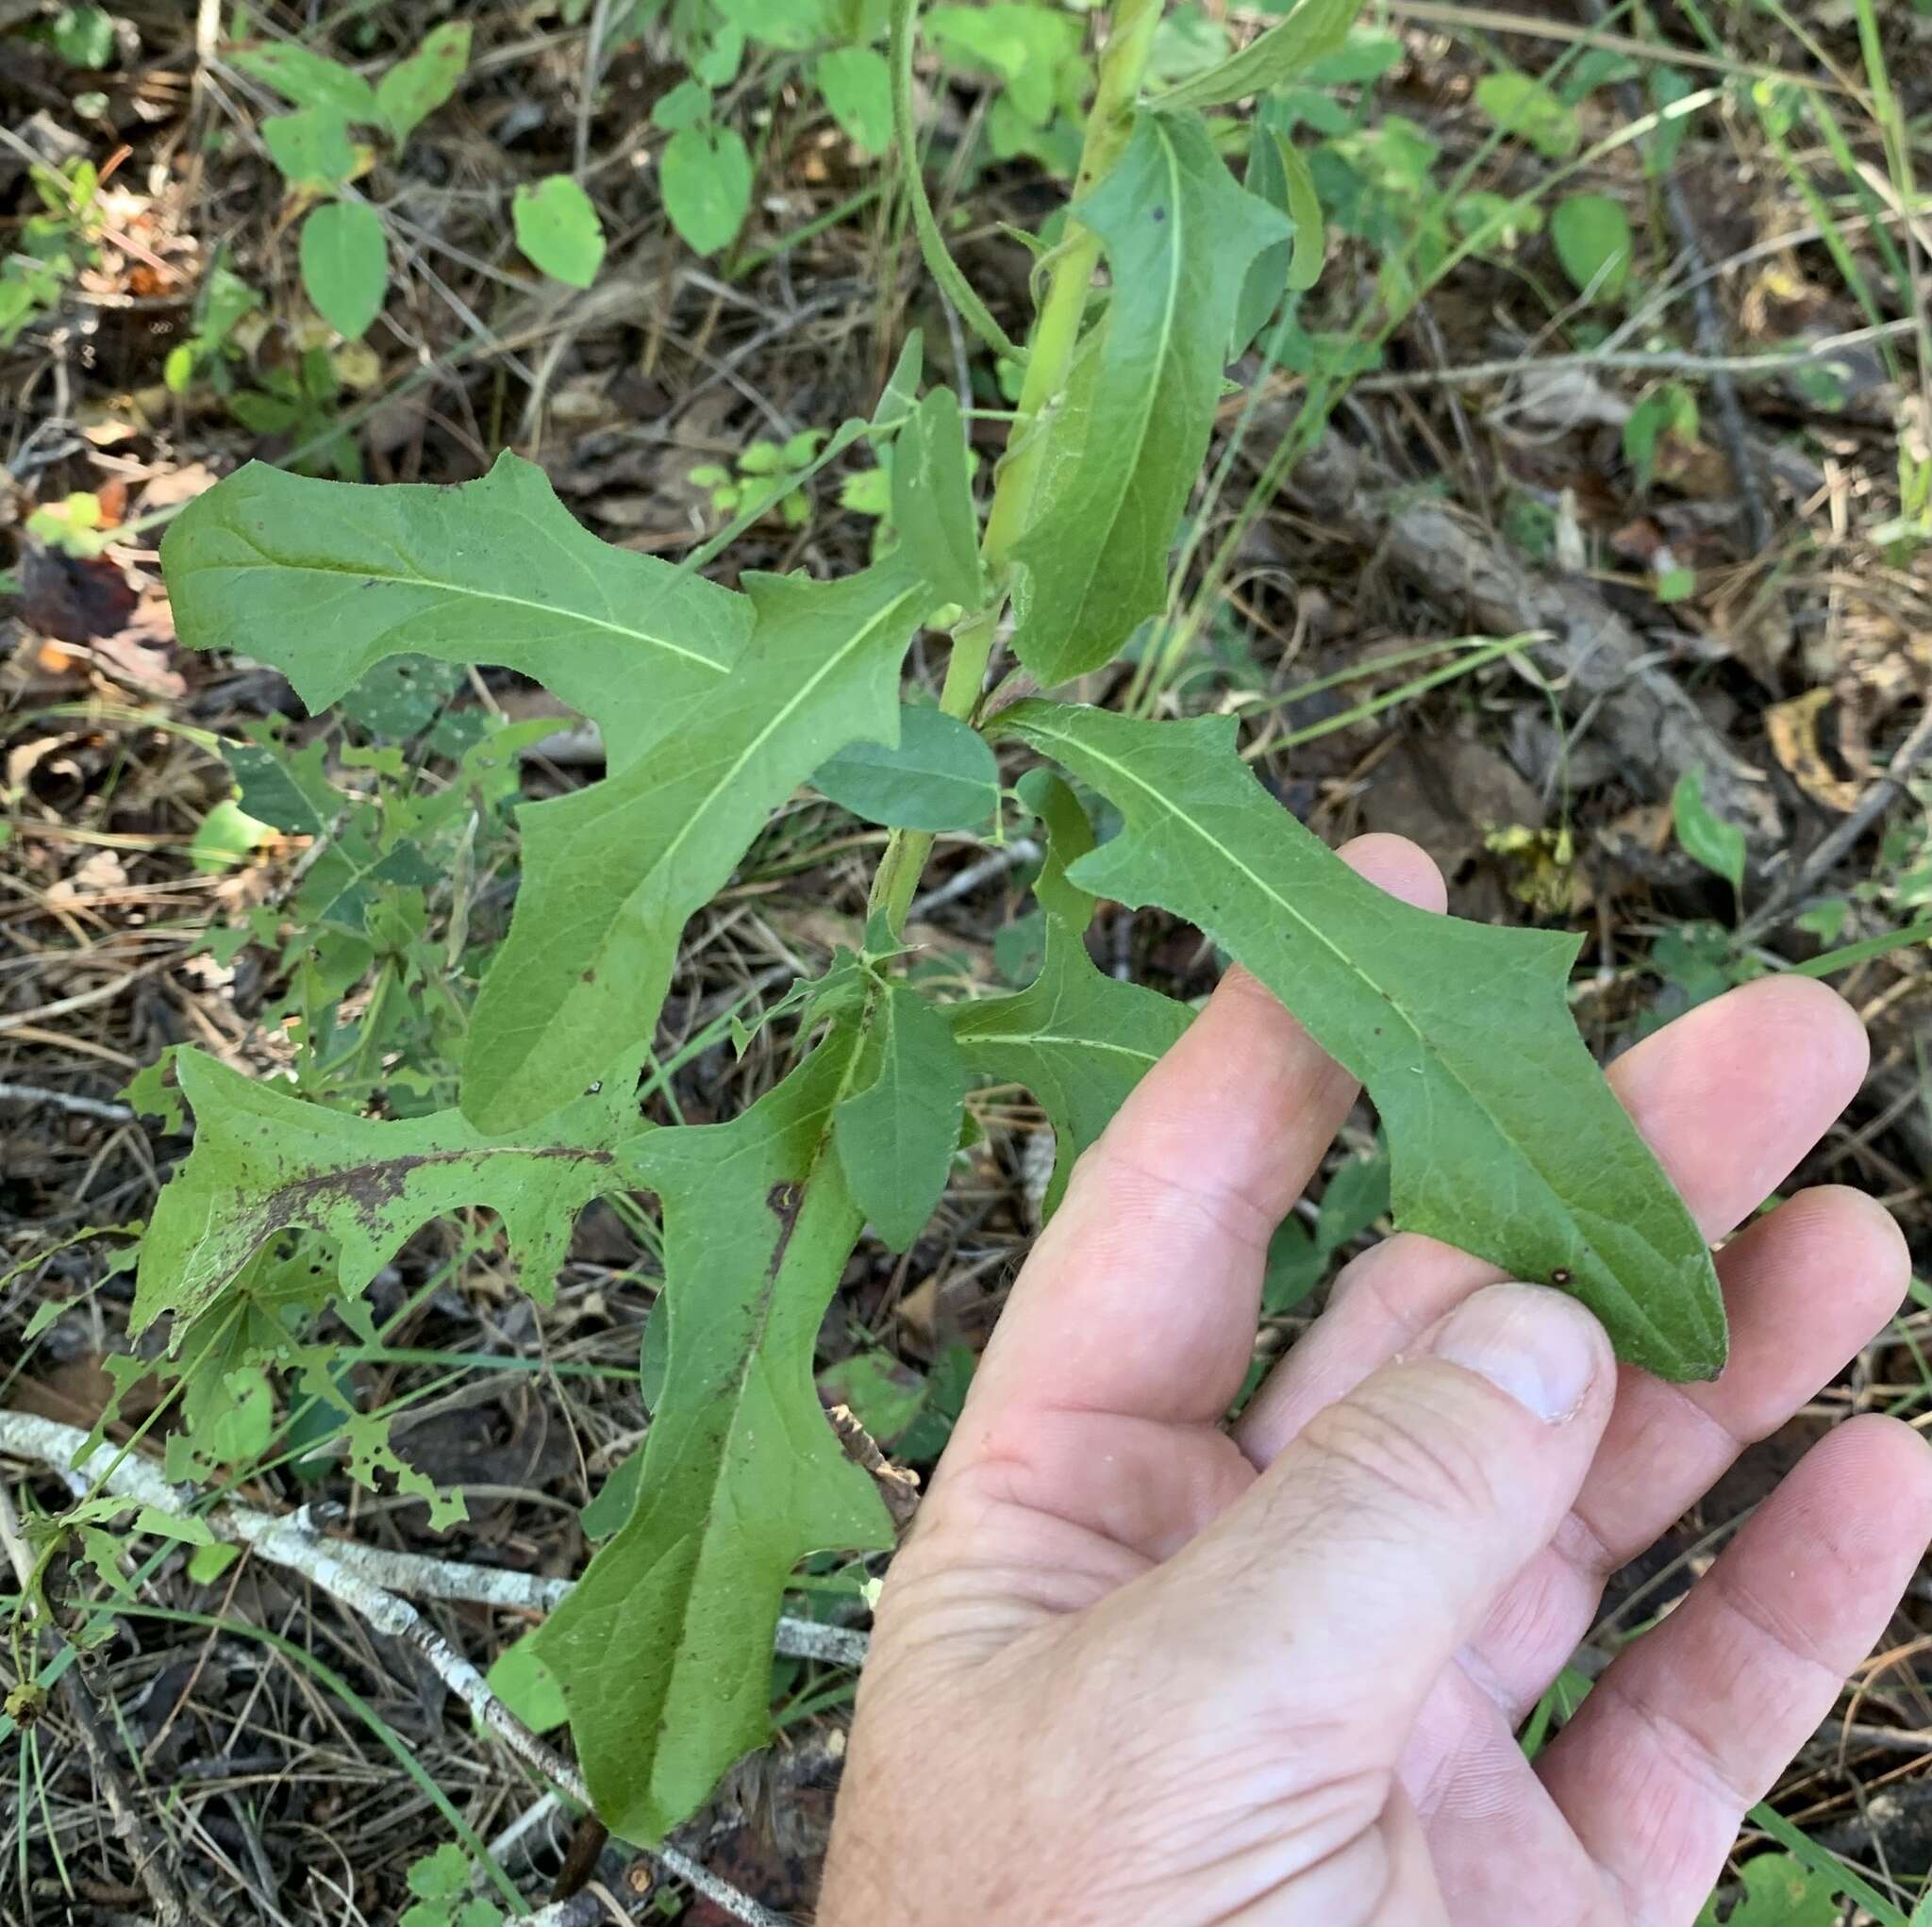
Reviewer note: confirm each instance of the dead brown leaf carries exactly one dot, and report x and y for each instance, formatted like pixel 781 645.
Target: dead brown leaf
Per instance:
pixel 1792 727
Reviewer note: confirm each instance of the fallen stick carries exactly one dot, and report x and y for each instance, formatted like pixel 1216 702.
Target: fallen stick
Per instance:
pixel 343 1570
pixel 1875 804
pixel 1603 671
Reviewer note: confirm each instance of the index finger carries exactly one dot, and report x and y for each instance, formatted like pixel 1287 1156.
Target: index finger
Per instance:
pixel 1141 1296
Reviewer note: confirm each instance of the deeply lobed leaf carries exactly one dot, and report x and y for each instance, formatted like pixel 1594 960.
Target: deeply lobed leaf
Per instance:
pixel 613 872
pixel 323 580
pixel 663 1649
pixel 1075 1038
pixel 1505 1140
pixel 264 1162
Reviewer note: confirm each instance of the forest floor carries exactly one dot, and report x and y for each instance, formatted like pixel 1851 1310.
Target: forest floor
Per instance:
pixel 1700 558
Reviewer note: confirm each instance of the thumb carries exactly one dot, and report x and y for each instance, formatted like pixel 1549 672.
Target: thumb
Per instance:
pixel 1372 1548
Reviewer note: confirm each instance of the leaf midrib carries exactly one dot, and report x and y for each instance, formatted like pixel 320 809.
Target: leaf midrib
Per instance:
pixel 1144 425
pixel 1046 1037
pixel 561 1015
pixel 1261 882
pixel 779 718
pixel 463 589
pixel 1348 963
pixel 759 1323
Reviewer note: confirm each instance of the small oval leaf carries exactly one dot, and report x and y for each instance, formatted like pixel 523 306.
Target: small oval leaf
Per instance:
pixel 1593 242
pixel 558 230
pixel 705 180
pixel 345 265
pixel 941 776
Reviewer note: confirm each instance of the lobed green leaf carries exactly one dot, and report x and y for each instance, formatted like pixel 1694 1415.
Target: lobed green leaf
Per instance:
pixel 264 1163
pixel 663 1649
pixel 613 872
pixel 1075 1038
pixel 1506 1139
pixel 323 580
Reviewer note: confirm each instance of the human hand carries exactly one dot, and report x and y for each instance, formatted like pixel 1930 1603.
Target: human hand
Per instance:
pixel 1130 1666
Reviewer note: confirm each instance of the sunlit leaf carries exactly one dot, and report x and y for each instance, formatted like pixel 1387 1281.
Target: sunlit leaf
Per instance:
pixel 705 176
pixel 311 147
pixel 521 1680
pixel 413 88
pixel 345 265
pixel 310 79
pixel 1024 44
pixel 1522 105
pixel 557 228
pixel 1593 239
pixel 227 838
pixel 1520 1155
pixel 858 89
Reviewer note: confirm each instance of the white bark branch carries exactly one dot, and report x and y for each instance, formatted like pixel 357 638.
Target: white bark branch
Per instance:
pixel 367 1580
pixel 288 1539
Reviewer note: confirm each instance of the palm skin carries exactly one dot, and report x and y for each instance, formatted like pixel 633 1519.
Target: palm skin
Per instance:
pixel 1132 1666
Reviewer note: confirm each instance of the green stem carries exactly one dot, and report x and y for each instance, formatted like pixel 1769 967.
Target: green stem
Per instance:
pixel 1050 360
pixel 1056 335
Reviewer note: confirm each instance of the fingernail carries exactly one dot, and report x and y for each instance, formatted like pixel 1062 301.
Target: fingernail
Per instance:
pixel 1537 1345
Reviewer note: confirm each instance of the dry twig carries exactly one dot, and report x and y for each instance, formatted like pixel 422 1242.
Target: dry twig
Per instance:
pixel 343 1570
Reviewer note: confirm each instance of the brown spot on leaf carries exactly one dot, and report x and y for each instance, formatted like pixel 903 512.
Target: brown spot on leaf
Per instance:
pixel 783 1202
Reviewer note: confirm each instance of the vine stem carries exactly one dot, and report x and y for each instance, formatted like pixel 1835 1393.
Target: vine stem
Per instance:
pixel 1055 340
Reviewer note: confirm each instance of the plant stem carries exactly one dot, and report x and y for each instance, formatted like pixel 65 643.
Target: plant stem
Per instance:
pixel 1110 124
pixel 1056 339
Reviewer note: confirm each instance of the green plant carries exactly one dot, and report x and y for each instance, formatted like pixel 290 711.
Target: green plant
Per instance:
pixel 298 399
pixel 714 708
pixel 344 249
pixel 766 477
pixel 53 245
pixel 75 524
pixel 1778 1890
pixel 441 1884
pixel 226 302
